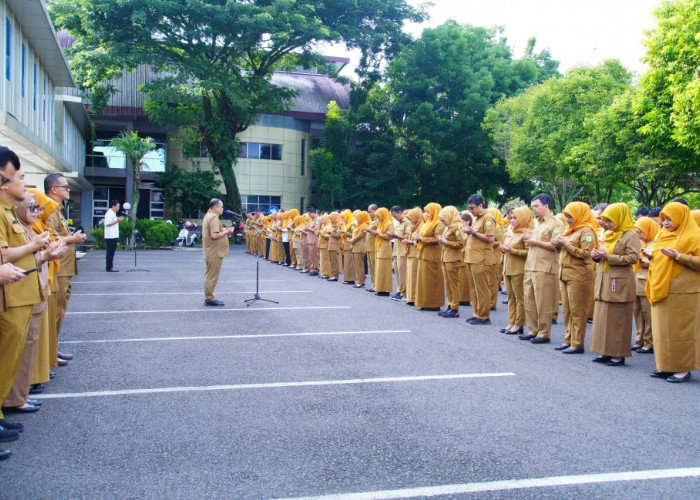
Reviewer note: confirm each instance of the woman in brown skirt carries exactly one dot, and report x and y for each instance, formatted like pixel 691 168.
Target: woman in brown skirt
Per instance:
pixel 614 286
pixel 415 215
pixel 334 245
pixel 382 245
pixel 323 237
pixel 452 244
pixel 515 254
pixel 647 229
pixel 357 247
pixel 430 291
pixel 348 261
pixel 673 288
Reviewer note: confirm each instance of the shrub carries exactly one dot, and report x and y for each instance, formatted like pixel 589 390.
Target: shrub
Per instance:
pixel 157 233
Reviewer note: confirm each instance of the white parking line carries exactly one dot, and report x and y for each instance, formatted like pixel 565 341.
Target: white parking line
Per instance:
pixel 203 309
pixel 274 385
pixel 513 484
pixel 220 337
pixel 185 293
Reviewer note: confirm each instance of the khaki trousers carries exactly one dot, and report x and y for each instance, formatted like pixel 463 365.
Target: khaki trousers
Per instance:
pixel 574 299
pixel 301 262
pixel 334 257
pixel 371 261
pixel 325 262
pixel 53 330
pixel 14 324
pixel 411 279
pixel 62 297
pixel 19 393
pixel 540 291
pixel 359 265
pixel 400 264
pixel 211 276
pixel 348 266
pixel 466 280
pixel 642 319
pixel 451 274
pixel 42 363
pixel 481 290
pixel 516 300
pixel 496 277
pixel 315 258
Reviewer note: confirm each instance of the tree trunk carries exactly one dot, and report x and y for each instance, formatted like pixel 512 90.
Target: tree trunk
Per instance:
pixel 233 196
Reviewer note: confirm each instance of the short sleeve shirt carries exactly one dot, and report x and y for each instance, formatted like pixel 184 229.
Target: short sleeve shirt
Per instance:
pixel 213 248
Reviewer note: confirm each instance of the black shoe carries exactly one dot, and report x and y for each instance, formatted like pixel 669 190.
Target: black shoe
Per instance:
pixel 519 331
pixel 493 308
pixel 34 402
pixel 429 308
pixel 370 290
pixel 678 380
pixel 215 303
pixel 348 282
pixel 20 409
pixel 52 374
pixel 11 426
pixel 62 362
pixel 503 330
pixel 526 336
pixel 442 313
pixel 465 303
pixel 644 350
pixel 451 314
pixel 554 321
pixel 589 321
pixel 504 302
pixel 332 279
pixel 562 347
pixel 357 285
pixel 410 303
pixel 7 435
pixel 313 274
pixel 36 388
pixel 601 359
pixel 616 363
pixel 67 357
pixel 5 454
pixel 479 321
pixel 658 374
pixel 540 340
pixel 635 347
pixel 112 270
pixel 383 294
pixel 573 350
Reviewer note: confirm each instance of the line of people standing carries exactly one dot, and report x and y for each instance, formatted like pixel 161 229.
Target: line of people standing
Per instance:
pixel 601 265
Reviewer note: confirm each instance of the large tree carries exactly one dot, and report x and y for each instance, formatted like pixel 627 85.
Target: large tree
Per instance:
pixel 218 56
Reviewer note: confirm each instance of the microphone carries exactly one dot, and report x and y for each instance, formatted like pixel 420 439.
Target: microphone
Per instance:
pixel 232 213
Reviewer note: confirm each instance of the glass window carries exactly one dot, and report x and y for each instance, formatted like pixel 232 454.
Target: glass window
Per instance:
pixel 43 101
pixel 303 157
pixel 8 48
pixel 275 151
pixel 265 150
pixel 23 71
pixel 34 87
pixel 253 150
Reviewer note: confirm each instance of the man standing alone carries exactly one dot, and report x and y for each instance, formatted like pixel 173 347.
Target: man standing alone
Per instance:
pixel 215 246
pixel 112 233
pixel 56 188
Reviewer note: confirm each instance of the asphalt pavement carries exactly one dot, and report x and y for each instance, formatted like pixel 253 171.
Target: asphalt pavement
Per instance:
pixel 333 391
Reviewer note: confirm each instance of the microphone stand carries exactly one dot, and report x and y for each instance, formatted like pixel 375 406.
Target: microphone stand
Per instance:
pixel 257 297
pixel 136 268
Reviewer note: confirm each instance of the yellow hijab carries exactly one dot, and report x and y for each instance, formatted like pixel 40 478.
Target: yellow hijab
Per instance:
pixel 363 221
pixel 325 227
pixel 650 228
pixel 523 220
pixel 451 216
pixel 48 206
pixel 620 215
pixel 583 217
pixel 696 216
pixel 433 210
pixel 685 239
pixel 347 215
pixel 384 220
pixel 497 216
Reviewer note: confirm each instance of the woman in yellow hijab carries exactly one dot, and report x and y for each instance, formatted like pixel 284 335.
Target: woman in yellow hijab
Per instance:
pixel 382 246
pixel 515 254
pixel 415 215
pixel 673 288
pixel 647 229
pixel 298 260
pixel 357 244
pixel 614 287
pixel 430 292
pixel 452 243
pixel 346 248
pixel 323 239
pixel 334 245
pixel 576 272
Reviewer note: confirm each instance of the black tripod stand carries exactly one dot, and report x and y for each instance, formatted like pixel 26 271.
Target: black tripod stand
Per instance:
pixel 256 297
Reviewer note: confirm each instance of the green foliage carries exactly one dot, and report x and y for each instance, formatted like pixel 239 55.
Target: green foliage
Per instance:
pixel 187 192
pixel 219 56
pixel 157 233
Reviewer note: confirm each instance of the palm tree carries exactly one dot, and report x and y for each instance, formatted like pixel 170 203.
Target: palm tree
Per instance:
pixel 134 148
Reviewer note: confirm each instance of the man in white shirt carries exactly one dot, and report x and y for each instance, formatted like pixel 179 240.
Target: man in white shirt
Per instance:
pixel 112 233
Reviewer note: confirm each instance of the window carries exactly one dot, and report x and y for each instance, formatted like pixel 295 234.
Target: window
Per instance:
pixel 262 203
pixel 100 154
pixel 23 72
pixel 34 87
pixel 101 196
pixel 255 150
pixel 8 49
pixel 303 158
pixel 43 101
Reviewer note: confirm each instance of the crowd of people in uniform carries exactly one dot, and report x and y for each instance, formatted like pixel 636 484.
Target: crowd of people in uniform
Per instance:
pixel 603 267
pixel 37 262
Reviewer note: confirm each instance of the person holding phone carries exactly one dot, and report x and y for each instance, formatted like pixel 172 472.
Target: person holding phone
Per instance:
pixel 215 247
pixel 112 234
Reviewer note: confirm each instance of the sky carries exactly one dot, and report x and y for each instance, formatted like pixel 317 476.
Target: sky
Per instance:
pixel 576 32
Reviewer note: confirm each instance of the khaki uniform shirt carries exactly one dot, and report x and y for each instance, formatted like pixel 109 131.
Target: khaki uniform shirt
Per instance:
pixel 514 261
pixel 334 240
pixel 403 230
pixel 618 284
pixel 575 261
pixel 59 227
pixel 539 259
pixel 369 241
pixel 452 250
pixel 211 247
pixel 385 251
pixel 480 252
pixel 12 234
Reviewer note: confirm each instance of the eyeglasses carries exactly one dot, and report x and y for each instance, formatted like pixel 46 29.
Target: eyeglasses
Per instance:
pixel 65 186
pixel 33 207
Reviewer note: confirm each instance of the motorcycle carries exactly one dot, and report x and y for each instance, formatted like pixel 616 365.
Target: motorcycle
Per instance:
pixel 188 235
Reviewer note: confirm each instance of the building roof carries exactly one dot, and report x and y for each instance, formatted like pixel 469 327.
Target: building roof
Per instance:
pixel 314 92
